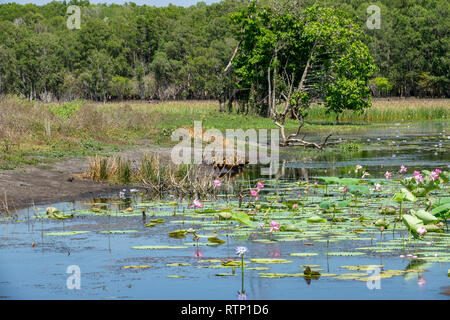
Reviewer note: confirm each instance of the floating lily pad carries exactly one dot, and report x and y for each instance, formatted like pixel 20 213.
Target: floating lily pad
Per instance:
pixel 138 267
pixel 158 247
pixel 303 254
pixel 68 233
pixel 316 219
pixel 272 275
pixel 268 260
pixel 177 233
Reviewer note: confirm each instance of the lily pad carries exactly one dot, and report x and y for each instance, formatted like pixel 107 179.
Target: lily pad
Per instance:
pixel 138 267
pixel 303 254
pixel 269 260
pixel 158 247
pixel 68 233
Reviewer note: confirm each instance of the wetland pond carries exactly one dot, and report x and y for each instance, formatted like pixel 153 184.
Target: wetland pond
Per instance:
pixel 328 219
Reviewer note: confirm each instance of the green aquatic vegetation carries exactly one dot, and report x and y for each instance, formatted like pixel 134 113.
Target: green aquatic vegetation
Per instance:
pixel 382 222
pixel 331 206
pixel 303 254
pixel 345 227
pixel 272 275
pixel 178 233
pixel 269 260
pixel 421 186
pixel 66 233
pixel 290 228
pixel 242 218
pixel 53 213
pixel 224 215
pixel 388 211
pixel 404 195
pixel 340 181
pixel 426 217
pixel 158 247
pixel 154 222
pixel 362 267
pixel 258 268
pixel 316 219
pixel 216 240
pixel 358 190
pixel 441 211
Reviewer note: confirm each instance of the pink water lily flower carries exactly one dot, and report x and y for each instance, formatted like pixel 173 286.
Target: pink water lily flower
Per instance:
pixel 274 226
pixel 418 177
pixel 294 206
pixel 437 171
pixel 197 204
pixel 377 187
pixel 259 185
pixel 217 183
pixel 434 176
pixel 403 169
pixel 388 175
pixel 421 231
pixel 253 192
pixel 358 167
pixel 421 282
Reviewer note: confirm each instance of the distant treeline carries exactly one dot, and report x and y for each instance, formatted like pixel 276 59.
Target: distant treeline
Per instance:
pixel 144 52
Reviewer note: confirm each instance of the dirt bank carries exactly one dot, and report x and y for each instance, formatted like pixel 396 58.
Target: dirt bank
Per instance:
pixel 26 186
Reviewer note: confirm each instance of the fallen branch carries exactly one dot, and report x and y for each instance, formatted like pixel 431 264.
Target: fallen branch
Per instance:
pixel 300 142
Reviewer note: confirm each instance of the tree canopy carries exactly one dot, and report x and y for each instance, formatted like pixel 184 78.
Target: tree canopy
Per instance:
pixel 144 52
pixel 287 58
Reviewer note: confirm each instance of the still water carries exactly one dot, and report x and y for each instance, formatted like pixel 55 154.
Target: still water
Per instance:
pixel 33 262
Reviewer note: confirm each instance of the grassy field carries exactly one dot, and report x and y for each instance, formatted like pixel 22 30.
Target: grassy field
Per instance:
pixel 35 133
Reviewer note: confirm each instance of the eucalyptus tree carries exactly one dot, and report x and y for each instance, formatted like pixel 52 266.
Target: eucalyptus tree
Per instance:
pixel 287 59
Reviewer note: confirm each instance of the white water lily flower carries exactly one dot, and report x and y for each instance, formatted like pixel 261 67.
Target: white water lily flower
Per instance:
pixel 241 251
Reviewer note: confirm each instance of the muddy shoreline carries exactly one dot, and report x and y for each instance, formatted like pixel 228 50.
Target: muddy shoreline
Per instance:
pixel 28 186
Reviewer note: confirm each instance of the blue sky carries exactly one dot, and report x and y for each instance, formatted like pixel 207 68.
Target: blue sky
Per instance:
pixel 157 3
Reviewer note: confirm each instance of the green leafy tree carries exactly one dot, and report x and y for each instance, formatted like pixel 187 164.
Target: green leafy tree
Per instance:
pixel 288 59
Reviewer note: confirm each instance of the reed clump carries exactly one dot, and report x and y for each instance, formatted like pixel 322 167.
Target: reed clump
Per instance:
pixel 154 173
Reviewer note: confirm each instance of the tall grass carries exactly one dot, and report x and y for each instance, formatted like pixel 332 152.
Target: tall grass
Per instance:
pixel 30 129
pixel 154 173
pixel 389 110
